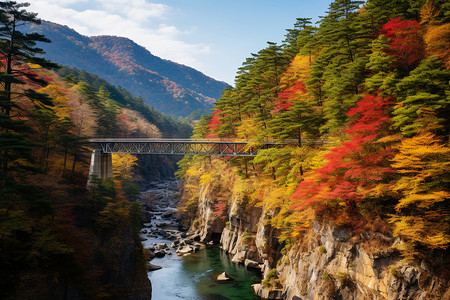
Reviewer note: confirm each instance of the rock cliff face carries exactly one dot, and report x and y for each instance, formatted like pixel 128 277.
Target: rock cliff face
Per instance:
pixel 332 264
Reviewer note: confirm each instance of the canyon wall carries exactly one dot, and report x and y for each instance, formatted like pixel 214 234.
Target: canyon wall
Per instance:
pixel 328 263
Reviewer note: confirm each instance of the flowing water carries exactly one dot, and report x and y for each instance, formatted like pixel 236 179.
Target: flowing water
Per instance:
pixel 193 277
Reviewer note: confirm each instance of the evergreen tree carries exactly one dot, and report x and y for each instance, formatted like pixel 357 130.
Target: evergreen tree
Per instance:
pixel 231 113
pixel 425 87
pixel 19 55
pixel 300 37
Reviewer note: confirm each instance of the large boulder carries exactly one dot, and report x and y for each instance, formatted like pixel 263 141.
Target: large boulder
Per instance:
pixel 185 250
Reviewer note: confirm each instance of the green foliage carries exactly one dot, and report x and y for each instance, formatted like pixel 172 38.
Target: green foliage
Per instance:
pixel 118 96
pixel 131 190
pixel 271 280
pixel 394 271
pixel 183 166
pixel 17 51
pixel 352 93
pixel 425 87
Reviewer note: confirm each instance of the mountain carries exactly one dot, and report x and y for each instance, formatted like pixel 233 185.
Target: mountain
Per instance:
pixel 167 86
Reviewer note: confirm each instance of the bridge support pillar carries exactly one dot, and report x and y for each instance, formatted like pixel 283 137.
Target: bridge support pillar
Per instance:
pixel 101 166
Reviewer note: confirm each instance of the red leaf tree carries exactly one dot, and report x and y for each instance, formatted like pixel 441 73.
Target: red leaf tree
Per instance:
pixel 287 97
pixel 406 43
pixel 353 169
pixel 215 123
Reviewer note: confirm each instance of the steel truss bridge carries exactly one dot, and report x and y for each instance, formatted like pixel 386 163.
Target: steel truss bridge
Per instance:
pixel 179 146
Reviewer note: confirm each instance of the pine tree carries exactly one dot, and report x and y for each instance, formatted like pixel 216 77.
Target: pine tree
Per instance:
pixel 338 72
pixel 426 86
pixel 18 55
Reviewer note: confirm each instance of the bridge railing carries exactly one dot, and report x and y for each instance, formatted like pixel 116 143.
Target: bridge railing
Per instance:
pixel 180 146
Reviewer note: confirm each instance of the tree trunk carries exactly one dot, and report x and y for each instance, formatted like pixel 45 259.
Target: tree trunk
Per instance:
pixel 73 166
pixel 65 161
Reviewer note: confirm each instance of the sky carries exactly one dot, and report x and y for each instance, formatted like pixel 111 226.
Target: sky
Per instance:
pixel 212 36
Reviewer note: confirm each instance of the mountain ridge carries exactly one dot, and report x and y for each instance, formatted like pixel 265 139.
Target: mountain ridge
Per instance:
pixel 167 86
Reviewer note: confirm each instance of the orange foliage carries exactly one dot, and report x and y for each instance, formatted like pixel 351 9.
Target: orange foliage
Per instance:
pixel 437 41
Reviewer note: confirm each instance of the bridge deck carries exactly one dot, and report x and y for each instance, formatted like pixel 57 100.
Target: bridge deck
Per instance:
pixel 180 146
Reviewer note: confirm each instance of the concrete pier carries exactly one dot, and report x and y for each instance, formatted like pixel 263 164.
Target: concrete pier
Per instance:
pixel 101 166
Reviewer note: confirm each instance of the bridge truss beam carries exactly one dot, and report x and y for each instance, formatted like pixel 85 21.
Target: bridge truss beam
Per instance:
pixel 179 147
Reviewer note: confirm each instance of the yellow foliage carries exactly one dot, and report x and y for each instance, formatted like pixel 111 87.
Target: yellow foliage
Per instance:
pixel 60 100
pixel 428 13
pixel 193 172
pixel 206 178
pixel 248 129
pixel 123 164
pixel 418 229
pixel 298 70
pixel 423 214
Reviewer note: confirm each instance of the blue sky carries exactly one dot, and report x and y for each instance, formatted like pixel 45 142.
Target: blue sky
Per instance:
pixel 211 36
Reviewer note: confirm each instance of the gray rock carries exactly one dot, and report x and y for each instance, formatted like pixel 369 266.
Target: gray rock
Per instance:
pixel 160 254
pixel 266 294
pixel 223 277
pixel 185 250
pixel 152 267
pixel 162 246
pixel 251 264
pixel 342 235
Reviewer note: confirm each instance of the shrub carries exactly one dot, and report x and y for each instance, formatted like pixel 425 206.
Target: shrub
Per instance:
pixel 248 238
pixel 271 280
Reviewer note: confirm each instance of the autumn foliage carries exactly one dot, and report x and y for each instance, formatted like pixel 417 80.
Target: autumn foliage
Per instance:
pixel 353 169
pixel 215 124
pixel 406 43
pixel 359 106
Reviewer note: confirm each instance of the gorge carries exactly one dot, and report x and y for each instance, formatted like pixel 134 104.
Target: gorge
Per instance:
pixel 325 167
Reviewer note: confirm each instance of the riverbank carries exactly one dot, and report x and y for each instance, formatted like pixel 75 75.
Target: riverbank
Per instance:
pixel 327 261
pixel 190 275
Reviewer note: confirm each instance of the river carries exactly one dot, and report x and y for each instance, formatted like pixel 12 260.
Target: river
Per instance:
pixel 193 276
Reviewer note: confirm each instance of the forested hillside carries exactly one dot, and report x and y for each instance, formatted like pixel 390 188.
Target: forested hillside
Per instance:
pixel 169 87
pixel 58 240
pixel 365 95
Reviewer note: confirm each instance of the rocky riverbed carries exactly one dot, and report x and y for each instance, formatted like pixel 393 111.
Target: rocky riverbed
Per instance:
pixel 161 234
pixel 179 266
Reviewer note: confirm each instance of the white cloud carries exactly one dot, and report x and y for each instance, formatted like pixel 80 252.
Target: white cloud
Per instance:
pixel 66 2
pixel 139 10
pixel 138 20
